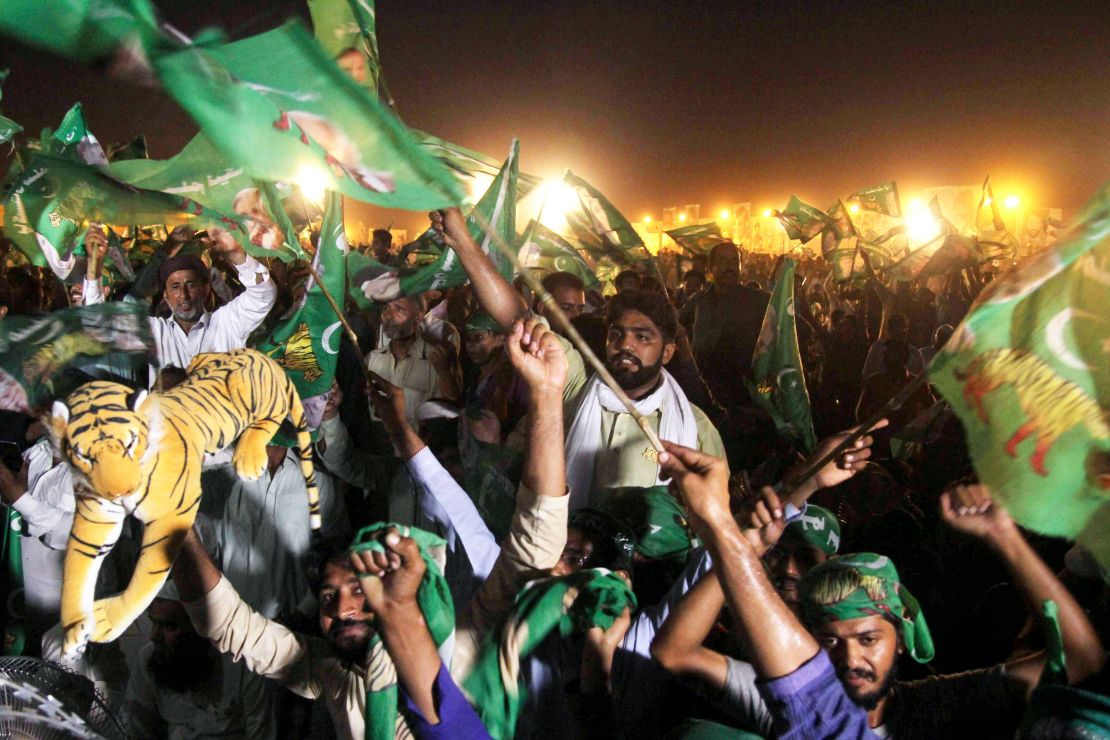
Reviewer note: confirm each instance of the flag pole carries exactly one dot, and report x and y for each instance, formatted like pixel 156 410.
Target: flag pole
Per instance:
pixel 342 318
pixel 794 481
pixel 572 334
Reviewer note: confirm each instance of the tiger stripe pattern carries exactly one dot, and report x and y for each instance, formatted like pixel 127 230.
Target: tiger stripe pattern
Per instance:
pixel 144 452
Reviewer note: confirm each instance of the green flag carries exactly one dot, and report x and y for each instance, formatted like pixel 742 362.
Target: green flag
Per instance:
pixel 840 220
pixel 995 240
pixel 778 383
pixel 50 201
pixel 346 29
pixel 74 141
pixel 202 173
pixel 567 605
pixel 303 120
pixel 473 168
pixel 82 30
pixel 11 570
pixel 498 208
pixel 599 227
pixel 544 251
pixel 697 239
pixel 880 199
pixel 1027 374
pixel 8 127
pixel 801 220
pixel 39 354
pixel 306 341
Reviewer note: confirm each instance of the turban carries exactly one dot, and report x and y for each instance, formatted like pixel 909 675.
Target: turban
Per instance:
pixel 865 585
pixel 182 262
pixel 816 527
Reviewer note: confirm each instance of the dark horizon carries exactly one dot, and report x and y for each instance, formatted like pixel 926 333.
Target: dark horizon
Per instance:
pixel 662 104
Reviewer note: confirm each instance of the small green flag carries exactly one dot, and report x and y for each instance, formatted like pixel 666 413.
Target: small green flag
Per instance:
pixel 802 221
pixel 306 341
pixel 840 220
pixel 697 239
pixel 778 383
pixel 303 120
pixel 82 30
pixel 74 141
pixel 201 172
pixel 38 354
pixel 600 228
pixel 498 208
pixel 1027 374
pixel 567 605
pixel 879 198
pixel 544 251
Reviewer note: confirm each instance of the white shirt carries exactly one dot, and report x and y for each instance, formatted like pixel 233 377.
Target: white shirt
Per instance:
pixel 222 330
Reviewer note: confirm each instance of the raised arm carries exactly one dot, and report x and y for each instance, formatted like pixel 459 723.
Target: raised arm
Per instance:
pixel 495 295
pixel 972 510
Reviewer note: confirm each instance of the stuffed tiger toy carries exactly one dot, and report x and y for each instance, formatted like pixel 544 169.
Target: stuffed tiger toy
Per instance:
pixel 133 451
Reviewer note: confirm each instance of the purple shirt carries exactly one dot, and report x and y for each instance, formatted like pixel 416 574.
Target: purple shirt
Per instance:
pixel 457 719
pixel 810 703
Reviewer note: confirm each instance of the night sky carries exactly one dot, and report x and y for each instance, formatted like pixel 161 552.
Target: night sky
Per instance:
pixel 667 103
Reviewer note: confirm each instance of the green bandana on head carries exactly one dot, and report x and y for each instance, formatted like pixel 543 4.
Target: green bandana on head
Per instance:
pixel 865 585
pixel 816 527
pixel 482 321
pixel 656 518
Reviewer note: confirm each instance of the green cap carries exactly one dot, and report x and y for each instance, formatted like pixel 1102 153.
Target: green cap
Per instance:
pixel 816 527
pixel 482 321
pixel 657 519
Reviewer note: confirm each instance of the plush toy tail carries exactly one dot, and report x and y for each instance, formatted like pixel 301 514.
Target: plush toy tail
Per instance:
pixel 304 451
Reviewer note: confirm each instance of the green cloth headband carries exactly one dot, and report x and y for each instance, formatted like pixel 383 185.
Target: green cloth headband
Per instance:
pixel 482 322
pixel 656 518
pixel 816 527
pixel 865 585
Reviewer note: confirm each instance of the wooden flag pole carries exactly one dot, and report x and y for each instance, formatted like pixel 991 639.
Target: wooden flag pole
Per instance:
pixel 572 334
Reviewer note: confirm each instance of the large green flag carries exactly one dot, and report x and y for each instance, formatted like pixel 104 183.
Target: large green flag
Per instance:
pixel 599 227
pixel 778 383
pixel 545 252
pixel 202 173
pixel 697 239
pixel 1027 373
pixel 801 220
pixel 276 105
pixel 50 201
pixel 38 354
pixel 306 341
pixel 498 208
pixel 83 30
pixel 8 127
pixel 347 30
pixel 566 605
pixel 880 199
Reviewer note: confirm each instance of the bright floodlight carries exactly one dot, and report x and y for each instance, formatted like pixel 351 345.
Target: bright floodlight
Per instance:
pixel 724 214
pixel 767 213
pixel 682 217
pixel 988 200
pixel 313 184
pixel 477 186
pixel 921 227
pixel 647 219
pixel 854 208
pixel 558 199
pixel 915 204
pixel 1012 201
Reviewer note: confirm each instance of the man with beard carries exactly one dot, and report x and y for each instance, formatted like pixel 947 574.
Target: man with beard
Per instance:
pixel 725 318
pixel 410 361
pixel 605 448
pixel 192 328
pixel 183 688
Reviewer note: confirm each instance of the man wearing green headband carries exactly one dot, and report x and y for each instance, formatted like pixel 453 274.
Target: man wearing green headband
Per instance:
pixel 808 540
pixel 865 618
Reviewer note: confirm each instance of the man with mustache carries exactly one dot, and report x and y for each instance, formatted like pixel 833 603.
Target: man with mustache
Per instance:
pixel 605 448
pixel 192 328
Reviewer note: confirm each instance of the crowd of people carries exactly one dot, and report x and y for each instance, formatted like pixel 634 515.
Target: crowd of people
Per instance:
pixel 885 595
